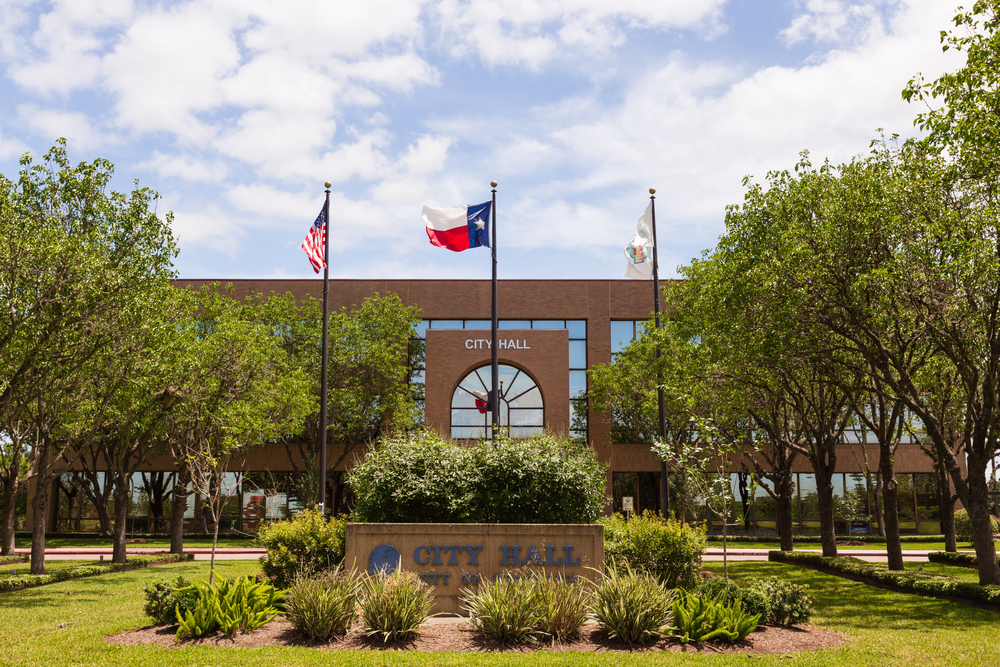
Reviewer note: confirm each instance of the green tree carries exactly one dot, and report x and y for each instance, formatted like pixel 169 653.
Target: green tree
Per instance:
pixel 74 257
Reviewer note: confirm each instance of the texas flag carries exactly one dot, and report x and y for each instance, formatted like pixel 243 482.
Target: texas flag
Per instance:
pixel 459 227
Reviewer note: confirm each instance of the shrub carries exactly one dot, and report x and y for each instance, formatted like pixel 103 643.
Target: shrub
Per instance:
pixel 632 606
pixel 790 604
pixel 302 547
pixel 701 618
pixel 719 589
pixel 203 618
pixel 963 526
pixel 756 602
pixel 668 549
pixel 394 605
pixel 165 599
pixel 961 558
pixel 507 608
pixel 540 480
pixel 752 600
pixel 246 604
pixel 323 606
pixel 565 606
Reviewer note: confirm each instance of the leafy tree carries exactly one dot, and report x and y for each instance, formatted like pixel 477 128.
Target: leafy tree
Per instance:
pixel 73 260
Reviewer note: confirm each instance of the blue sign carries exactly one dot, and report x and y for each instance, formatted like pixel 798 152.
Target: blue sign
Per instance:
pixel 384 558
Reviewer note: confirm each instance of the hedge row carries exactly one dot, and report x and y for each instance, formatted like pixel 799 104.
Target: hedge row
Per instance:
pixel 962 558
pixel 134 562
pixel 14 558
pixel 816 539
pixel 936 585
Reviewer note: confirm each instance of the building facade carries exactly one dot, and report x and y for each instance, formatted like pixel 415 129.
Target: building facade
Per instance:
pixel 550 333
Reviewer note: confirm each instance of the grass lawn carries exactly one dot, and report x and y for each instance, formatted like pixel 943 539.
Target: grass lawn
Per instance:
pixel 99 541
pixel 882 628
pixel 816 546
pixel 50 567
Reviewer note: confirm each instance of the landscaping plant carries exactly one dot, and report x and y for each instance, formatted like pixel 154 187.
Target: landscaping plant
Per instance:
pixel 701 618
pixel 302 547
pixel 323 606
pixel 753 600
pixel 790 603
pixel 246 604
pixel 963 526
pixel 166 599
pixel 668 549
pixel 394 605
pixel 565 606
pixel 197 622
pixel 508 608
pixel 632 606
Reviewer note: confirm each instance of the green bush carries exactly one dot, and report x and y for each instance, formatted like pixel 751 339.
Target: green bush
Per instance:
pixel 752 600
pixel 790 604
pixel 246 604
pixel 507 608
pixel 961 558
pixel 323 606
pixel 702 618
pixel 756 602
pixel 565 606
pixel 303 546
pixel 133 562
pixel 963 526
pixel 668 549
pixel 197 622
pixel 632 606
pixel 539 480
pixel 394 605
pixel 165 599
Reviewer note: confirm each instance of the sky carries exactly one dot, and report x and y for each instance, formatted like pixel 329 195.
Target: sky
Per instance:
pixel 237 111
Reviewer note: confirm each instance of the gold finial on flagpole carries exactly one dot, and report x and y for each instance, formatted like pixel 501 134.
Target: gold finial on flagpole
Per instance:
pixel 652 191
pixel 493 184
pixel 328 184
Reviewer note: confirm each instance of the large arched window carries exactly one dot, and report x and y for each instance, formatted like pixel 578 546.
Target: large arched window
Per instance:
pixel 522 412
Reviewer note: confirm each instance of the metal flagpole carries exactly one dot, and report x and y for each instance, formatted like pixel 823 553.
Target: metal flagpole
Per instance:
pixel 495 370
pixel 321 492
pixel 665 480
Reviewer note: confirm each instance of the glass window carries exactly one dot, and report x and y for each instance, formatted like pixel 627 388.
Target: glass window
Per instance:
pixel 904 500
pixel 446 324
pixel 577 383
pixel 421 328
pixel 479 325
pixel 623 484
pixel 622 333
pixel 648 492
pixel 522 411
pixel 548 324
pixel 577 329
pixel 578 419
pixel 809 499
pixel 514 324
pixel 578 354
pixel 928 508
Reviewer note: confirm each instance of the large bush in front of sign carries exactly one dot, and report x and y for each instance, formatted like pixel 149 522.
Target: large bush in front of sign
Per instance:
pixel 669 549
pixel 545 479
pixel 963 526
pixel 301 547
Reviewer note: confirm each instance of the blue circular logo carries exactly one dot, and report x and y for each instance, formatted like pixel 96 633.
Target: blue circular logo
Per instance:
pixel 383 558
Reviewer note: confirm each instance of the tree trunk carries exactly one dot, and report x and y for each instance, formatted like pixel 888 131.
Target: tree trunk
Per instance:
pixel 39 507
pixel 823 466
pixel 783 514
pixel 946 509
pixel 890 497
pixel 178 505
pixel 880 506
pixel 982 528
pixel 121 522
pixel 8 521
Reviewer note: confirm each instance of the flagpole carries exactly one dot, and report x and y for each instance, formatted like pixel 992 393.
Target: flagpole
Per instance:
pixel 321 492
pixel 664 478
pixel 495 368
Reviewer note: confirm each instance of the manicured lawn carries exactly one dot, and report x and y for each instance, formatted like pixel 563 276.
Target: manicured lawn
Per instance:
pixel 50 566
pixel 882 628
pixel 816 546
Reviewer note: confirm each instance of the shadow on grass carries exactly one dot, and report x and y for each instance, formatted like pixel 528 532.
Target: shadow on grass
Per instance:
pixel 848 605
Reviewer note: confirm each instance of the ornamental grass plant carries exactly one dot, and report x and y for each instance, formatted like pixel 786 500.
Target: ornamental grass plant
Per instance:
pixel 394 605
pixel 323 606
pixel 508 608
pixel 635 607
pixel 565 606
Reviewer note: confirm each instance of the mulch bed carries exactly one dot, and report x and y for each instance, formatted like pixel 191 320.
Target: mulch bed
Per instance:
pixel 454 634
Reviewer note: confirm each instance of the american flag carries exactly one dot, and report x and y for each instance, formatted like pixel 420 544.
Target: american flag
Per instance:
pixel 315 241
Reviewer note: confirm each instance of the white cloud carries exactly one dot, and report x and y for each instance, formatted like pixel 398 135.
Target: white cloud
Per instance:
pixel 834 21
pixel 75 126
pixel 209 227
pixel 186 167
pixel 11 147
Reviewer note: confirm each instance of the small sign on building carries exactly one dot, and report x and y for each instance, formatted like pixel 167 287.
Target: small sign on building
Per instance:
pixel 627 504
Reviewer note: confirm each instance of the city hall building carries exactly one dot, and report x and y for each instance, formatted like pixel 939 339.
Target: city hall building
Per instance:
pixel 550 333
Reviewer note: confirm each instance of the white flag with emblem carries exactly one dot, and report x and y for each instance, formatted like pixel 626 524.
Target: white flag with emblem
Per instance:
pixel 639 252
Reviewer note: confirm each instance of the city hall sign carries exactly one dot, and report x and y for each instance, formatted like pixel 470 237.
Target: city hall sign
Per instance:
pixel 451 557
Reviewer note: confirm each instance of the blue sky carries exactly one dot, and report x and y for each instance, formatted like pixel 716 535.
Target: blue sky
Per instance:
pixel 237 111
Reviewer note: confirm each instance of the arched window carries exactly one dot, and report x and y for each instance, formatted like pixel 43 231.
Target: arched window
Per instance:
pixel 522 412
